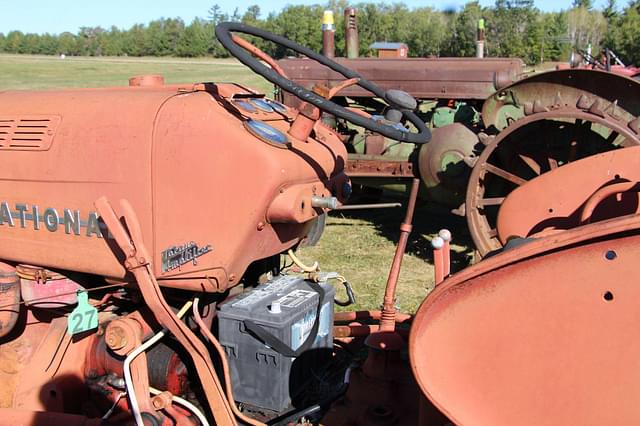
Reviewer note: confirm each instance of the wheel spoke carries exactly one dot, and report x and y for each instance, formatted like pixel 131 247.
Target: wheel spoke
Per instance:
pixel 553 163
pixel 504 174
pixel 494 201
pixel 573 150
pixel 612 137
pixel 492 233
pixel 535 167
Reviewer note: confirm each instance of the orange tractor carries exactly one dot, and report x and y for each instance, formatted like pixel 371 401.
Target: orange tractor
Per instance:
pixel 141 236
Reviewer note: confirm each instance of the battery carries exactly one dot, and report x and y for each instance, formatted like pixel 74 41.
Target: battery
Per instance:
pixel 277 338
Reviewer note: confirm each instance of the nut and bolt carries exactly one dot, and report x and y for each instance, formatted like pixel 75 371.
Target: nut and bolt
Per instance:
pixel 115 337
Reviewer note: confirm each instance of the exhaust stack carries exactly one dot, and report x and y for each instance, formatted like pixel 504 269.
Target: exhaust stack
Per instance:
pixel 328 34
pixel 352 43
pixel 480 39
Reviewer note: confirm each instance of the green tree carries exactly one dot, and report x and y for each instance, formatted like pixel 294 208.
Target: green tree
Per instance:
pixel 375 24
pixel 462 35
pixel 67 44
pixel 251 15
pixel 298 23
pixel 586 27
pixel 89 43
pixel 162 36
pixel 195 39
pixel 112 42
pixel 514 31
pixel 610 11
pixel 13 42
pixel 587 4
pixel 135 40
pixel 47 44
pixel 624 36
pixel 430 32
pixel 216 15
pixel 555 44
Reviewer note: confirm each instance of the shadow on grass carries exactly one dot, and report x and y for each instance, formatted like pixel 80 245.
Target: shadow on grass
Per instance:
pixel 429 218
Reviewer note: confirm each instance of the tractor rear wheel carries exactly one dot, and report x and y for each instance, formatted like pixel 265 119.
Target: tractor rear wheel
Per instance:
pixel 530 146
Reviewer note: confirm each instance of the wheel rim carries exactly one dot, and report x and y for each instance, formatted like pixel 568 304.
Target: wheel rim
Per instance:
pixel 528 148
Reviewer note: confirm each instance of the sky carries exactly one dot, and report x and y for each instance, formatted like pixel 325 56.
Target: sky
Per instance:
pixel 57 16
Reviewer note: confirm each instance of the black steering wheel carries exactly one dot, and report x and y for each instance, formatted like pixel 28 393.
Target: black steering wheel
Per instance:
pixel 223 33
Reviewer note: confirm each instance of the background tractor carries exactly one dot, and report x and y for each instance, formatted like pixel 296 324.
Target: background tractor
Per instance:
pixel 493 127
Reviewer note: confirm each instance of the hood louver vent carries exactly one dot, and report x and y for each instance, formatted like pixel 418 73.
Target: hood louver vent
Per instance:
pixel 28 133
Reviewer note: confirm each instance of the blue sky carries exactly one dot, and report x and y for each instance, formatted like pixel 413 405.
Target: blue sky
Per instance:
pixel 56 16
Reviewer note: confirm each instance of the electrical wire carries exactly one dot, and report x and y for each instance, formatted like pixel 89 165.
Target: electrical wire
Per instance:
pixel 46 298
pixel 113 407
pixel 313 268
pixel 133 400
pixel 186 404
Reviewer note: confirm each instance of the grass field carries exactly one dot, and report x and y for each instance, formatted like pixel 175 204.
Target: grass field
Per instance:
pixel 42 72
pixel 360 245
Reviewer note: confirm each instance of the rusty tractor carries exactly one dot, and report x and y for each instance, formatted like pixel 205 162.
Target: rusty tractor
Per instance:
pixel 493 128
pixel 141 233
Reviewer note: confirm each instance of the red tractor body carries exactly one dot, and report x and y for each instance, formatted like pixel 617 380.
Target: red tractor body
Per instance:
pixel 167 150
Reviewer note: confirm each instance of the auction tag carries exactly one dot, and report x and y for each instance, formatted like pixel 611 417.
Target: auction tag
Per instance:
pixel 84 317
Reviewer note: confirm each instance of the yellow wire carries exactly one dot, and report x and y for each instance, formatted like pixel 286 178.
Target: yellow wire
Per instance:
pixel 313 268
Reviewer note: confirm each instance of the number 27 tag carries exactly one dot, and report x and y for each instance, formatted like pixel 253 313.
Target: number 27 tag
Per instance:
pixel 84 317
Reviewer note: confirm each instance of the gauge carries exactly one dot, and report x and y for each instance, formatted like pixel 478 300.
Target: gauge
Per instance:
pixel 262 105
pixel 267 133
pixel 278 106
pixel 244 105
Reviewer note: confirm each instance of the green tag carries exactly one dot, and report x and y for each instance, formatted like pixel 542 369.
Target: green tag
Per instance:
pixel 481 24
pixel 84 317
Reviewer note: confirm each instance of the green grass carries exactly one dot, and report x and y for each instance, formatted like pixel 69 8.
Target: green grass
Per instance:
pixel 359 245
pixel 46 72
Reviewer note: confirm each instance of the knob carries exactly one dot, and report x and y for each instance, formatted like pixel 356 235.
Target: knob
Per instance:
pixel 400 99
pixel 324 202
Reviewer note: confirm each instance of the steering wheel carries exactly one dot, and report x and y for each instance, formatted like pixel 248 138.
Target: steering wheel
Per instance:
pixel 223 33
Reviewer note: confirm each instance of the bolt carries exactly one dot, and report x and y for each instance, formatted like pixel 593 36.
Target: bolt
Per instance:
pixel 157 402
pixel 115 337
pixel 260 226
pixel 232 277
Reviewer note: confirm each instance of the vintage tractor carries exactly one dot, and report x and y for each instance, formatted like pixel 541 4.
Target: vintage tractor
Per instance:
pixel 141 230
pixel 449 93
pixel 493 127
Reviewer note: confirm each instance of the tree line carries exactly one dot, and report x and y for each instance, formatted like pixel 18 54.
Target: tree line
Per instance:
pixel 514 28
